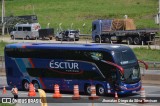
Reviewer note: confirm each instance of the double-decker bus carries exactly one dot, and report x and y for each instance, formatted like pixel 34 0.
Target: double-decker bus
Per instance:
pixel 109 67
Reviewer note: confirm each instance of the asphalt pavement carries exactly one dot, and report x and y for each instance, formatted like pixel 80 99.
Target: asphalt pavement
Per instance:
pixel 151 92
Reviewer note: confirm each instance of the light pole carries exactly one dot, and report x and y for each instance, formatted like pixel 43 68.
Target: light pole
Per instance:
pixel 159 16
pixel 159 7
pixel 71 25
pixel 2 17
pixel 60 26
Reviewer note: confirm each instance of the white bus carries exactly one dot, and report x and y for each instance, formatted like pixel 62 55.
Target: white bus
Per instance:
pixel 25 31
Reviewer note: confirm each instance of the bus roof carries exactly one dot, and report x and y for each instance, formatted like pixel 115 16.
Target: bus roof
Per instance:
pixel 69 46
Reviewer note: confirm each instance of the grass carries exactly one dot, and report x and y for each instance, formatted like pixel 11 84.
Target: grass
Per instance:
pixel 147 54
pixel 2 45
pixel 79 12
pixel 5 104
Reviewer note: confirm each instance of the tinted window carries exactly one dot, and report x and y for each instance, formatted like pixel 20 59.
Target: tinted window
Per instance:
pixel 124 57
pixel 94 27
pixel 26 28
pixel 50 53
pixel 90 56
pixel 19 28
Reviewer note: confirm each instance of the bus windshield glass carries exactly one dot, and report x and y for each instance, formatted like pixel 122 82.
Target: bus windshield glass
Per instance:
pixel 128 61
pixel 124 57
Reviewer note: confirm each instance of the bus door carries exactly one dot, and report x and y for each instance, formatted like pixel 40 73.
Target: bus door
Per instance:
pixel 68 84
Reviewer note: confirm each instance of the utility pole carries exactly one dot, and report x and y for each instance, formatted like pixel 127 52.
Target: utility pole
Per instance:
pixel 159 7
pixel 2 17
pixel 159 16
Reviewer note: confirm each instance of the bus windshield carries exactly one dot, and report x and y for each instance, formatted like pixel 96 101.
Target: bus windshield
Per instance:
pixel 124 57
pixel 128 61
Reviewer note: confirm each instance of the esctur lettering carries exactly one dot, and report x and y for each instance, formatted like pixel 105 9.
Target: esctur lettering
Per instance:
pixel 63 65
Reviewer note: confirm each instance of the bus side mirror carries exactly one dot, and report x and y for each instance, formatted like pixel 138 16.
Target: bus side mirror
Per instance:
pixel 145 64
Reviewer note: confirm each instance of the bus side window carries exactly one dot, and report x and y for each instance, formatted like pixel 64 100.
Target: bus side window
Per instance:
pixel 96 56
pixel 107 57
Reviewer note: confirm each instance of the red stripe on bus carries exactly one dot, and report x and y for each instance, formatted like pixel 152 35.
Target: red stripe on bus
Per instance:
pixel 31 62
pixel 42 83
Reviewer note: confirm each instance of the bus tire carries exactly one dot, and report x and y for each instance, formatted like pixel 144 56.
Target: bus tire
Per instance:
pixel 12 37
pixel 100 90
pixel 87 89
pixel 36 85
pixel 25 85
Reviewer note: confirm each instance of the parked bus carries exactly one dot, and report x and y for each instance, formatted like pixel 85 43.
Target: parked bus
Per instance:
pixel 109 67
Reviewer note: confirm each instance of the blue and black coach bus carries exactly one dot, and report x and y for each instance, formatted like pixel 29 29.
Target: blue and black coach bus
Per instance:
pixel 109 67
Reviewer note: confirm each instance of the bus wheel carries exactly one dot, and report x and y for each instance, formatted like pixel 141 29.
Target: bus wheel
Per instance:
pixel 100 90
pixel 87 89
pixel 25 85
pixel 36 85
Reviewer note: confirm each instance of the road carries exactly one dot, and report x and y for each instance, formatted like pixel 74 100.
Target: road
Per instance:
pixel 82 41
pixel 151 91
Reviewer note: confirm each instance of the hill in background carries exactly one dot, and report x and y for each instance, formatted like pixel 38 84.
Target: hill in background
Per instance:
pixel 79 12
